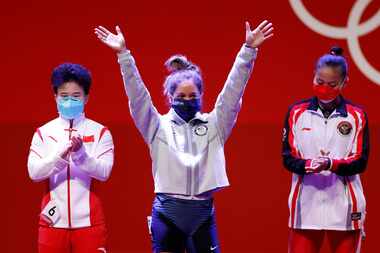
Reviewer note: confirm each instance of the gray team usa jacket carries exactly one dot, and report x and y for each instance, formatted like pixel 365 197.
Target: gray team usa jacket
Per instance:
pixel 187 158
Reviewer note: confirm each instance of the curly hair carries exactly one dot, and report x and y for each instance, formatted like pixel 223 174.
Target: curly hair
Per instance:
pixel 71 72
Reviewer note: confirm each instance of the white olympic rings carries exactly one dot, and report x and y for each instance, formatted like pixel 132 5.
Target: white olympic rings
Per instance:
pixel 351 33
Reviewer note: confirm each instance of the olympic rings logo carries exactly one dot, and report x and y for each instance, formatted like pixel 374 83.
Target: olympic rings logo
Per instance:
pixel 351 33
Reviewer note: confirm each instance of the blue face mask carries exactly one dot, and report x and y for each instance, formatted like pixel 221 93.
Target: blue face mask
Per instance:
pixel 70 107
pixel 186 109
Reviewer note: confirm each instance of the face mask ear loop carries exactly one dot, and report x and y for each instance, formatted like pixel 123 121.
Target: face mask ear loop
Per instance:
pixel 171 99
pixel 343 83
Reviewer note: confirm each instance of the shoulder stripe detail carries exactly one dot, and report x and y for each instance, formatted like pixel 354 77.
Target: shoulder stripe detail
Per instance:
pixel 104 129
pixel 38 131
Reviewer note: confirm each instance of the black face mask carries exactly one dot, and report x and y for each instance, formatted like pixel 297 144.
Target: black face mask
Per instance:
pixel 186 109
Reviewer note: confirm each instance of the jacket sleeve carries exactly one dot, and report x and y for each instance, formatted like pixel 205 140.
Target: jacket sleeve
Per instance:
pixel 40 165
pixel 100 164
pixel 141 106
pixel 357 162
pixel 228 103
pixel 291 158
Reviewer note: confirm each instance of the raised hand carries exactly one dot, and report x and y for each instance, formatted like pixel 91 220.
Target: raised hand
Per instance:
pixel 262 32
pixel 114 41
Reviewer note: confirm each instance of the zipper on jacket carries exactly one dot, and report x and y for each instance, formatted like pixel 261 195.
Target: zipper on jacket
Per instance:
pixel 190 151
pixel 326 142
pixel 192 171
pixel 68 180
pixel 326 153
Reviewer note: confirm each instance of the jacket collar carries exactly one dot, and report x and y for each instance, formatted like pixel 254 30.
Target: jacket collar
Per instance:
pixel 340 109
pixel 198 118
pixel 76 121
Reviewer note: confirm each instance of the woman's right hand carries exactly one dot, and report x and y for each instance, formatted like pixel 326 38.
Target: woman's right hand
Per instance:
pixel 65 150
pixel 318 164
pixel 114 41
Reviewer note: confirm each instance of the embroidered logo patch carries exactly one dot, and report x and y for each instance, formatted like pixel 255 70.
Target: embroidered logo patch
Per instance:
pixel 201 130
pixel 356 216
pixel 344 127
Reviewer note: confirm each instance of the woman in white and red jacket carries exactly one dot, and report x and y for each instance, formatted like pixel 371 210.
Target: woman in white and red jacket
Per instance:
pixel 326 147
pixel 69 152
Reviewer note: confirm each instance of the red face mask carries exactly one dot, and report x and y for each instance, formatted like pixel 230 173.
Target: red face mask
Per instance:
pixel 325 92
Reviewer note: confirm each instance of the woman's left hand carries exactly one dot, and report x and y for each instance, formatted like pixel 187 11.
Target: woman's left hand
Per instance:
pixel 256 37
